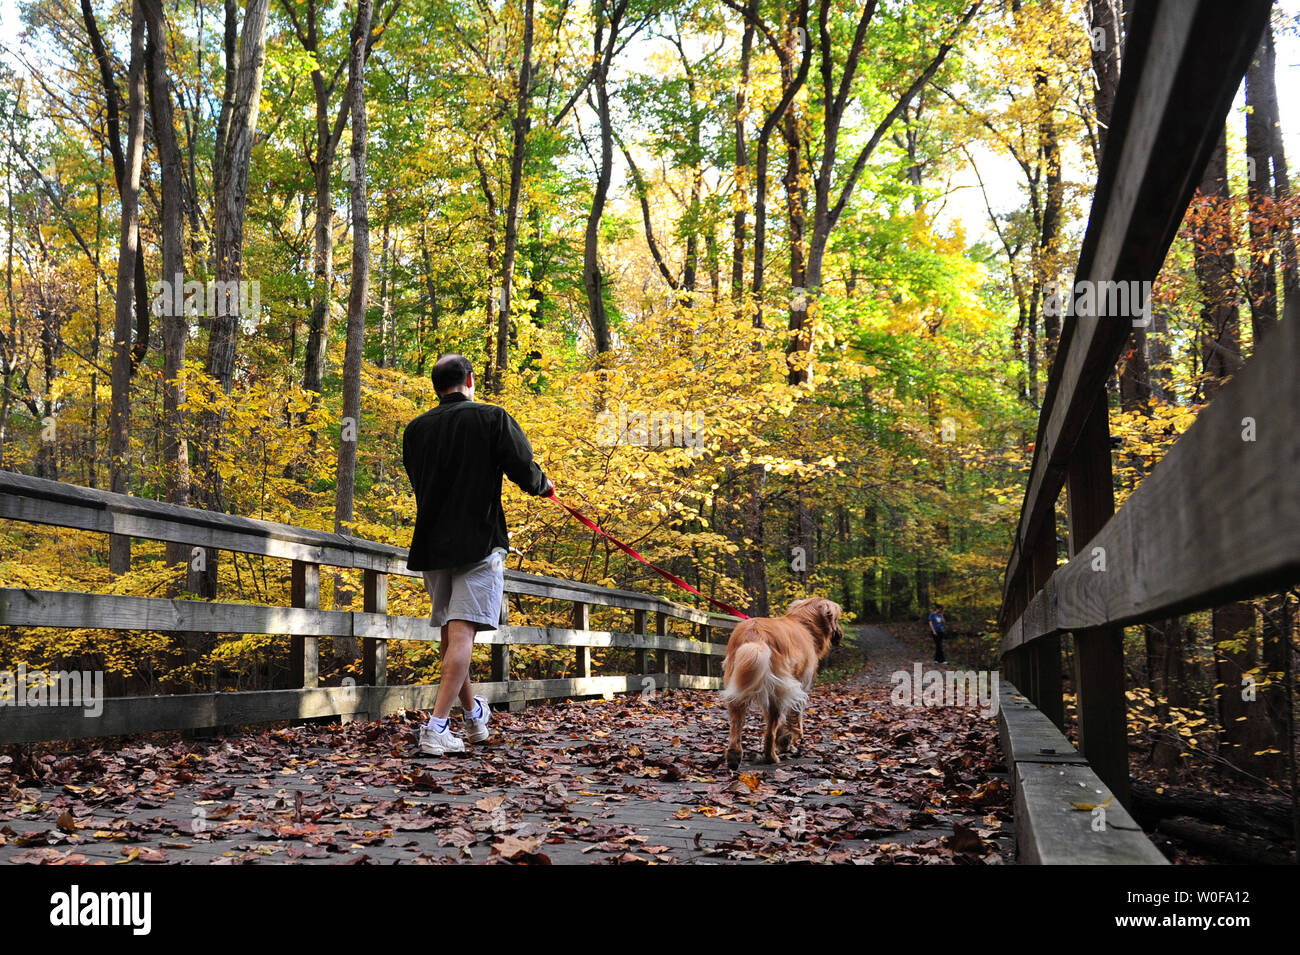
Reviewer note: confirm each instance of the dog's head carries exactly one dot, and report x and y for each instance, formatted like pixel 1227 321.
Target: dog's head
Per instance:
pixel 822 618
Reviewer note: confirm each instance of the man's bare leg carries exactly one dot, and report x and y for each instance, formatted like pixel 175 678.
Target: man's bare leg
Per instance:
pixel 457 646
pixel 466 691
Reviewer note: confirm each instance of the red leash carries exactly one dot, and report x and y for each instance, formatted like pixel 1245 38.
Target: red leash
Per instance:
pixel 582 518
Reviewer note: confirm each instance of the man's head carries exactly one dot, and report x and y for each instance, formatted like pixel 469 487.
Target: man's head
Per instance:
pixel 453 373
pixel 938 608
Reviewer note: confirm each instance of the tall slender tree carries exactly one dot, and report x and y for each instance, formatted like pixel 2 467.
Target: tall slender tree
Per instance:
pixel 119 421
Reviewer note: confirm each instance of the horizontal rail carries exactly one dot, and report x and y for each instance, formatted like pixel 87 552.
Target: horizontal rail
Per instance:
pixel 124 716
pixel 1217 519
pixel 40 501
pixel 1164 125
pixel 70 609
pixel 1057 796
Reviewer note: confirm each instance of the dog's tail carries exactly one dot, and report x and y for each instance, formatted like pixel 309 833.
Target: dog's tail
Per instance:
pixel 750 680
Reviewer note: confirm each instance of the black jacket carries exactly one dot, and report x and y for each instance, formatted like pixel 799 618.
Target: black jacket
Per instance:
pixel 455 455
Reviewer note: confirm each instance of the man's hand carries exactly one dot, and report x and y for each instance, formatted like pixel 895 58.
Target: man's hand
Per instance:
pixel 550 489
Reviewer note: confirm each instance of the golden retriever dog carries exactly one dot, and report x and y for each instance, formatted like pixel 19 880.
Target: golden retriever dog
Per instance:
pixel 772 663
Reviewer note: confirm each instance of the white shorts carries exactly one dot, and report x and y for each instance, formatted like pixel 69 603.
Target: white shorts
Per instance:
pixel 472 592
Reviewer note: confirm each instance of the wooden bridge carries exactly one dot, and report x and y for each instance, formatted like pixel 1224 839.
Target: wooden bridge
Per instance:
pixel 1217 520
pixel 637 779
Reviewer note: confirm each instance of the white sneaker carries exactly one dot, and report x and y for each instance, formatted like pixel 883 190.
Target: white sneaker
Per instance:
pixel 433 743
pixel 476 730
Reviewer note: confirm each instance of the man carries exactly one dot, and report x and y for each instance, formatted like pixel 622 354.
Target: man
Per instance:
pixel 937 626
pixel 455 455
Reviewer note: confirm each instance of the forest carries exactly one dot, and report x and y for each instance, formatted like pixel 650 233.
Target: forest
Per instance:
pixel 772 287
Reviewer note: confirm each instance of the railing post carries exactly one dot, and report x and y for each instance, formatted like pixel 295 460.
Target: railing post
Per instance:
pixel 1045 652
pixel 706 662
pixel 661 629
pixel 304 651
pixel 501 651
pixel 638 627
pixel 1099 652
pixel 582 621
pixel 374 651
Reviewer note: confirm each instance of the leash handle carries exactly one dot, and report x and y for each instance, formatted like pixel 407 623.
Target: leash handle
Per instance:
pixel 673 578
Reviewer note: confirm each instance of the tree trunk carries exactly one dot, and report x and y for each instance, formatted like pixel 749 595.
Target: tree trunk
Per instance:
pixel 1244 728
pixel 119 422
pixel 796 195
pixel 1215 263
pixel 1266 102
pixel 518 150
pixel 1261 281
pixel 1166 647
pixel 175 323
pixel 789 90
pixel 358 296
pixel 1105 20
pixel 328 136
pixel 755 551
pixel 740 198
pixel 493 300
pixel 592 279
pixel 236 126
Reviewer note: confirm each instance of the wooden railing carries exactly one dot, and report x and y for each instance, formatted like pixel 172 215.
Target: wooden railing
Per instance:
pixel 35 500
pixel 1218 519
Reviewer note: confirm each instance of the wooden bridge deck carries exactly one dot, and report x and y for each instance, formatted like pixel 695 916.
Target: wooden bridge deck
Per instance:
pixel 630 780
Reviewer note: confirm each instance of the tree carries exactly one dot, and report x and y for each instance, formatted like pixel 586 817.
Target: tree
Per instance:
pixel 245 53
pixel 175 321
pixel 518 146
pixel 832 195
pixel 119 421
pixel 358 297
pixel 605 41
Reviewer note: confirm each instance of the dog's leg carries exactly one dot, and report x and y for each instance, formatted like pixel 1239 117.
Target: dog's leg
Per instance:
pixel 734 750
pixel 784 734
pixel 769 734
pixel 796 733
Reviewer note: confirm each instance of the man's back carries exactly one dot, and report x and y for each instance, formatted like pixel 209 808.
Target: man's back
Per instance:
pixel 455 455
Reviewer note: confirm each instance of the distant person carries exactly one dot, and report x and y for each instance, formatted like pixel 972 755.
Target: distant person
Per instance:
pixel 455 455
pixel 937 627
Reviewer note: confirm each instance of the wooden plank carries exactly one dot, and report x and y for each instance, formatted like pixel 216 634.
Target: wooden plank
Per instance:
pixel 45 608
pixel 35 500
pixel 374 652
pixel 556 589
pixel 1051 831
pixel 1183 64
pixel 561 637
pixel 1216 520
pixel 304 650
pixel 75 610
pixel 661 629
pixel 124 716
pixel 1051 780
